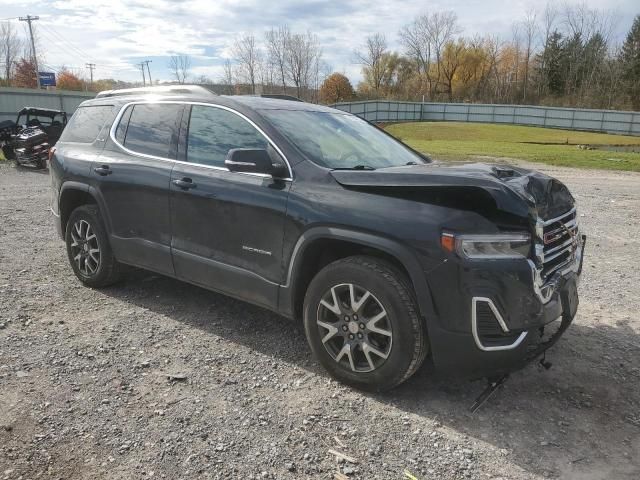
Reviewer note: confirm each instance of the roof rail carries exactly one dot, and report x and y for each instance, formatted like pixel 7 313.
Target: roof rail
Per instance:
pixel 281 96
pixel 159 90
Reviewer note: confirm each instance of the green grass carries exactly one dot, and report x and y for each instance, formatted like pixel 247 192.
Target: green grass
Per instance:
pixel 464 141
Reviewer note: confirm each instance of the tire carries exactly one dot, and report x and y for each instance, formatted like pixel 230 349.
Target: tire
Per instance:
pixel 93 268
pixel 393 330
pixel 8 152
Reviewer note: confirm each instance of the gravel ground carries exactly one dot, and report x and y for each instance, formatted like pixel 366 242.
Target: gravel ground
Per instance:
pixel 155 378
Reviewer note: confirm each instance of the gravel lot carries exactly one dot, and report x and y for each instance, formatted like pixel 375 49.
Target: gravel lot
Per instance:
pixel 85 389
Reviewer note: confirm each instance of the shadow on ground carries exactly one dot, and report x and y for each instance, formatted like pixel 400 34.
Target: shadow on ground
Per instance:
pixel 547 421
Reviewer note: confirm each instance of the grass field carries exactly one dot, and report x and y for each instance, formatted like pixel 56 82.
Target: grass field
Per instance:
pixel 463 141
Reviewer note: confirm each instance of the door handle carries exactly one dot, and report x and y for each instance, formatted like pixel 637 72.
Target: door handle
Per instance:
pixel 103 170
pixel 184 183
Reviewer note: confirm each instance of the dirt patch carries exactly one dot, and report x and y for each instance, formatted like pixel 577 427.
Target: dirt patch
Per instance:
pixel 153 378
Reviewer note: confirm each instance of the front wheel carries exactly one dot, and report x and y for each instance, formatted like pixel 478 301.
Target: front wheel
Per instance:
pixel 88 248
pixel 362 323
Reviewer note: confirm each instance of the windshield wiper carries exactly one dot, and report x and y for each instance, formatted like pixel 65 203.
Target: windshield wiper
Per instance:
pixel 357 167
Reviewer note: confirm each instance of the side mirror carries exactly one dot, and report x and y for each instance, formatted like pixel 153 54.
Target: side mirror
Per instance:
pixel 254 160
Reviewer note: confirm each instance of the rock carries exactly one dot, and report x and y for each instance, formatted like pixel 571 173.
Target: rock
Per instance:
pixel 347 470
pixel 290 466
pixel 21 374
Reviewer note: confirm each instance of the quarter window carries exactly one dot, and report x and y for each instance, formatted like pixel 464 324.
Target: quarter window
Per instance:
pixel 153 129
pixel 214 131
pixel 86 123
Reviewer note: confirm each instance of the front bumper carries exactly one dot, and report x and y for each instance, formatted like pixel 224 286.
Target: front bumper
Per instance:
pixel 531 315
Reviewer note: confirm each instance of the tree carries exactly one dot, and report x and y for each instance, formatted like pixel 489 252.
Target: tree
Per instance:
pixel 69 81
pixel 10 45
pixel 371 59
pixel 248 57
pixel 336 88
pixel 25 74
pixel 452 58
pixel 425 40
pixel 630 60
pixel 179 66
pixel 228 77
pixel 303 61
pixel 278 43
pixel 529 29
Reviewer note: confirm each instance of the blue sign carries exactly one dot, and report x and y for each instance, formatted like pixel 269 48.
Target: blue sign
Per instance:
pixel 47 79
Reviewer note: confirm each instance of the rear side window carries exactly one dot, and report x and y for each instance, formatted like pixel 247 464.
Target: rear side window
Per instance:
pixel 214 131
pixel 86 123
pixel 153 129
pixel 121 130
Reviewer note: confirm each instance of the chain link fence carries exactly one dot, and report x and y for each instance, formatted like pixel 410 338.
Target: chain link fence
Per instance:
pixel 609 121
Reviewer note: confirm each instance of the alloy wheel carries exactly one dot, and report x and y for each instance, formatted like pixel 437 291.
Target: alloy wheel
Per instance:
pixel 354 327
pixel 85 249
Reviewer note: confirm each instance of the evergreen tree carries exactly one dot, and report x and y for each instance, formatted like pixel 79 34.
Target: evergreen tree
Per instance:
pixel 630 59
pixel 549 66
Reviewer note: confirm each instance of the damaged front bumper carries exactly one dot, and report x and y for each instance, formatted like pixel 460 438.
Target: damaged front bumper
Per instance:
pixel 516 313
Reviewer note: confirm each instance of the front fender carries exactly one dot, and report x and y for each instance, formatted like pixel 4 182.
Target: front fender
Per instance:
pixel 287 292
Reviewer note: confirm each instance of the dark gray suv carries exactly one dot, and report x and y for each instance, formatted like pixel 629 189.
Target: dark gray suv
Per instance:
pixel 315 214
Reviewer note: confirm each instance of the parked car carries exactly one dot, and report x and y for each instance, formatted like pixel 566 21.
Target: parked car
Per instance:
pixel 28 139
pixel 387 257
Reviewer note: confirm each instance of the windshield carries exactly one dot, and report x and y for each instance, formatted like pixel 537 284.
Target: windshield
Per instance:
pixel 335 140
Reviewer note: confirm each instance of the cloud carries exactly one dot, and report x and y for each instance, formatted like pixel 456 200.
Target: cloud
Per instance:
pixel 116 34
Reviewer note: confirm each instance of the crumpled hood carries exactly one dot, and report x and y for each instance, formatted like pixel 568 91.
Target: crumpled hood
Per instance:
pixel 515 190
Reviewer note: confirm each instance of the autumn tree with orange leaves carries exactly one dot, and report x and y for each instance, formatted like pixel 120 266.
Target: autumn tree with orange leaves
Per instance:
pixel 25 74
pixel 336 88
pixel 69 81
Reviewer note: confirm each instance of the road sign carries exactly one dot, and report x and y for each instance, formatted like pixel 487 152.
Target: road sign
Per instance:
pixel 47 79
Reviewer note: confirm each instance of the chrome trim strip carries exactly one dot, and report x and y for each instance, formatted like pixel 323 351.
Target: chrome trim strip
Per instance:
pixel 558 253
pixel 558 247
pixel 503 325
pixel 115 123
pixel 547 222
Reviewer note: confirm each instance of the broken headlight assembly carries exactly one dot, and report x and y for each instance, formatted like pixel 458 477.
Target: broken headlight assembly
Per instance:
pixel 488 247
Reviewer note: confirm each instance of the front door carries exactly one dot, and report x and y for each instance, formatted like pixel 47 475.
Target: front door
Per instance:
pixel 227 227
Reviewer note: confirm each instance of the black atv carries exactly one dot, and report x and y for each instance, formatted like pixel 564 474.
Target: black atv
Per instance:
pixel 27 141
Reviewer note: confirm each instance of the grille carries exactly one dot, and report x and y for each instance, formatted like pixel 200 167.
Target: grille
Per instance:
pixel 560 237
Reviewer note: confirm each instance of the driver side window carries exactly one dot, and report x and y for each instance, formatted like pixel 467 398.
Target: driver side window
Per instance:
pixel 214 131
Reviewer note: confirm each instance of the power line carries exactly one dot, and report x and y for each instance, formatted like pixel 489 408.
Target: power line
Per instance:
pixel 30 19
pixel 60 48
pixel 76 51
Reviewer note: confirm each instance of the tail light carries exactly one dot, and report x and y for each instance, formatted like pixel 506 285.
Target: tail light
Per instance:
pixel 52 150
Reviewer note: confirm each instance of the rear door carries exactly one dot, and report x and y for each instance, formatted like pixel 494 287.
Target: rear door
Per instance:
pixel 132 178
pixel 227 227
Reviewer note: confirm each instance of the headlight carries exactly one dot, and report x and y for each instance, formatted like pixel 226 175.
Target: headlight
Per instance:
pixel 484 247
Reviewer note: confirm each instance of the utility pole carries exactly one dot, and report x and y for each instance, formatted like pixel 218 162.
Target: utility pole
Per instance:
pixel 30 19
pixel 144 83
pixel 147 62
pixel 91 67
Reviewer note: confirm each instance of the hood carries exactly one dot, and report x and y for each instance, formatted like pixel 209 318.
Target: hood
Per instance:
pixel 515 190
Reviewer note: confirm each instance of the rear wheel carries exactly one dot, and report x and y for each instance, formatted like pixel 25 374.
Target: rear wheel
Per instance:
pixel 362 323
pixel 88 248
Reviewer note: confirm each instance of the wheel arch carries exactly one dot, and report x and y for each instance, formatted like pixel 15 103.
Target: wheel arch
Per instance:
pixel 320 246
pixel 74 195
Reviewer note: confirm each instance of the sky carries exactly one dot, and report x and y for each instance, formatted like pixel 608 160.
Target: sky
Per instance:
pixel 117 34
